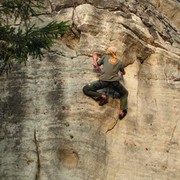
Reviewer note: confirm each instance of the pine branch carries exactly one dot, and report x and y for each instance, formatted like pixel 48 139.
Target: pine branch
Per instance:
pixel 18 45
pixel 19 42
pixel 21 9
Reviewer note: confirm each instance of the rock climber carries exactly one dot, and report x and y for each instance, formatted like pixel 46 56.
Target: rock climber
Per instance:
pixel 108 78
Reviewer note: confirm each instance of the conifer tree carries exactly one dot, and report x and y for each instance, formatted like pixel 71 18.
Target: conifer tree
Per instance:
pixel 19 37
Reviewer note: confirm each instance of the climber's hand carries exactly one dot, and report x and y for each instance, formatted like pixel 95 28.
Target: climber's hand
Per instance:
pixel 123 72
pixel 95 56
pixel 95 65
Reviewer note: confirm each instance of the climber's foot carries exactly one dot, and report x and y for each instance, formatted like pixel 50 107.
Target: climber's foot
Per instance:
pixel 122 114
pixel 103 100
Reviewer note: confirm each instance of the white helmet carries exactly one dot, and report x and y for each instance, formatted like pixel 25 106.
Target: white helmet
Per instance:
pixel 111 50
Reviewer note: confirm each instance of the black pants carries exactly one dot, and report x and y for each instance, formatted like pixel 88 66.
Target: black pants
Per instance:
pixel 91 90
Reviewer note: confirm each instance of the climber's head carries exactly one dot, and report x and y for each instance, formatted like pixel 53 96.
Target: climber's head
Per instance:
pixel 111 51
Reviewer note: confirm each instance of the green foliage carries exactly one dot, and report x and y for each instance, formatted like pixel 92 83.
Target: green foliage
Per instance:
pixel 19 38
pixel 20 9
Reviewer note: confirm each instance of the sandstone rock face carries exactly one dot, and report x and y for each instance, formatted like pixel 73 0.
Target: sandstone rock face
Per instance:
pixel 171 9
pixel 50 130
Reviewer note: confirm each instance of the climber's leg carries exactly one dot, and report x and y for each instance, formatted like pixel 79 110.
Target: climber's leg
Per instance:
pixel 91 90
pixel 118 87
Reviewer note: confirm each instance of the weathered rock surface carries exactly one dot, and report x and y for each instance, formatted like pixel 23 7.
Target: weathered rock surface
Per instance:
pixel 50 130
pixel 171 9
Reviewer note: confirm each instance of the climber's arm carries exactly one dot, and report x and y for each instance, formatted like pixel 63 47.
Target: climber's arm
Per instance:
pixel 122 70
pixel 96 61
pixel 95 58
pixel 101 61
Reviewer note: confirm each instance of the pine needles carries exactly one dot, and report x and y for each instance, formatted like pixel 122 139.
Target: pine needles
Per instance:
pixel 19 38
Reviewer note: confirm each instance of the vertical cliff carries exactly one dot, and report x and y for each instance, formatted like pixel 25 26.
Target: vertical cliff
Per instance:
pixel 50 130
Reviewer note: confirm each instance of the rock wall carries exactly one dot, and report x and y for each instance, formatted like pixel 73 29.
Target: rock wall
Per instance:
pixel 50 130
pixel 170 8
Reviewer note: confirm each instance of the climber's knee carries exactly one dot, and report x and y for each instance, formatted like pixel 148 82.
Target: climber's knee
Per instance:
pixel 126 93
pixel 86 89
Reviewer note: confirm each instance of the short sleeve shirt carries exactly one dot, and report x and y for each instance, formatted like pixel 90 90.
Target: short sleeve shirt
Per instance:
pixel 111 67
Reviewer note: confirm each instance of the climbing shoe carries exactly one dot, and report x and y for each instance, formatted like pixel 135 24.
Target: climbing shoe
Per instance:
pixel 103 101
pixel 121 116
